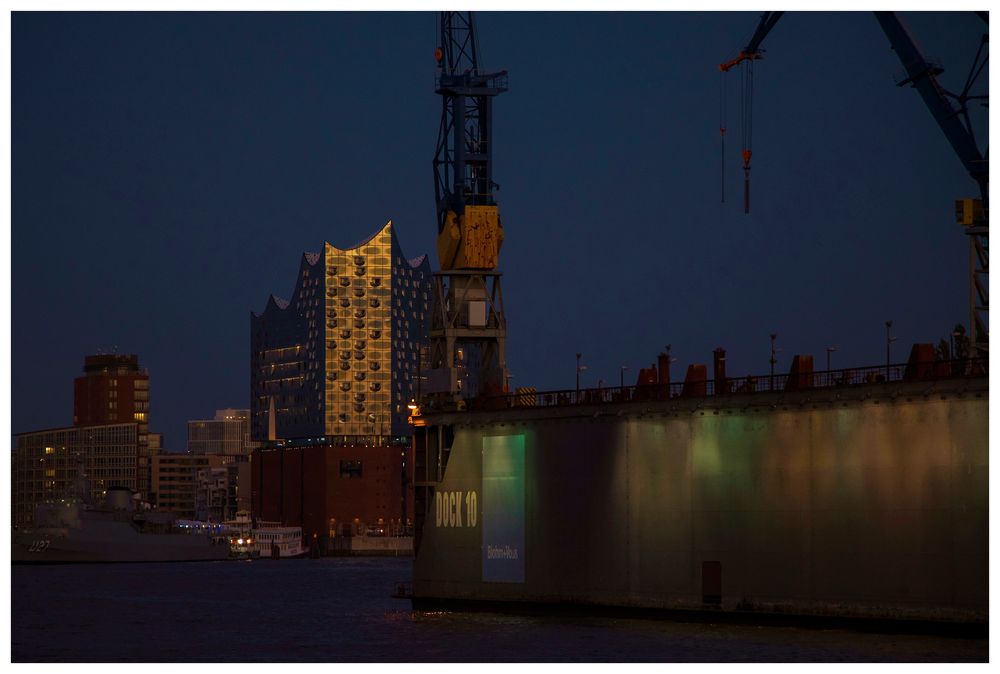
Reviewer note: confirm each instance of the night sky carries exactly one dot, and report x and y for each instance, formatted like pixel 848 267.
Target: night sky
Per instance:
pixel 168 171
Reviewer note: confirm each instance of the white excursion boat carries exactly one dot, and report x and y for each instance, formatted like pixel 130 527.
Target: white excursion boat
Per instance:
pixel 274 541
pixel 240 533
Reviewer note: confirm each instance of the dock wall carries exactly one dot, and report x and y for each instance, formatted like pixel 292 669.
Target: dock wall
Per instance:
pixel 864 502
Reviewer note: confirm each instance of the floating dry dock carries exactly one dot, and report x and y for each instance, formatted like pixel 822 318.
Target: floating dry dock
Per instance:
pixel 846 497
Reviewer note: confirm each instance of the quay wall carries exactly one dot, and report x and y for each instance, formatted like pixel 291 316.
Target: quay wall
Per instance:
pixel 863 502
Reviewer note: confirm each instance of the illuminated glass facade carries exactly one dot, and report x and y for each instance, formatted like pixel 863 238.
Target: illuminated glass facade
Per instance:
pixel 340 359
pixel 47 464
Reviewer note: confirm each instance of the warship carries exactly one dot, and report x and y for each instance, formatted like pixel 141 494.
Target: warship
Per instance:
pixel 71 530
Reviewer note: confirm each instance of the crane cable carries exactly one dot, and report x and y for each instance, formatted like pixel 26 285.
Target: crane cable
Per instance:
pixel 722 127
pixel 746 111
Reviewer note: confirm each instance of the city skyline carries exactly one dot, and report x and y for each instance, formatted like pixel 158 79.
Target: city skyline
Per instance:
pixel 170 169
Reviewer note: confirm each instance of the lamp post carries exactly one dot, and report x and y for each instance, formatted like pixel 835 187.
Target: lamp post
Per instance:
pixel 578 356
pixel 889 339
pixel 829 350
pixel 621 373
pixel 956 341
pixel 774 360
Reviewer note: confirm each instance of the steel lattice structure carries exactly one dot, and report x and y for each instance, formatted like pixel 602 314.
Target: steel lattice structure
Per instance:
pixel 463 161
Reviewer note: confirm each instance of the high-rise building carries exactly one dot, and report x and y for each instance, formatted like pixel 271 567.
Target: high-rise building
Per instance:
pixel 227 435
pixel 112 390
pixel 49 464
pixel 332 372
pixel 223 485
pixel 340 359
pixel 107 446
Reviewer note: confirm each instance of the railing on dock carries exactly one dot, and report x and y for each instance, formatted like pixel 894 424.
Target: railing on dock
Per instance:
pixel 737 386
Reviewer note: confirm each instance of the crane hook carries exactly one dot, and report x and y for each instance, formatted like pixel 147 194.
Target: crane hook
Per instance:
pixel 746 181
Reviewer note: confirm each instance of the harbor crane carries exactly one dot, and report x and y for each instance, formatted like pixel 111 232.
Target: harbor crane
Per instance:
pixel 954 122
pixel 468 326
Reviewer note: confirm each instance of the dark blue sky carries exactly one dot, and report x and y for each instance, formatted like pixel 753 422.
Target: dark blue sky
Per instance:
pixel 168 170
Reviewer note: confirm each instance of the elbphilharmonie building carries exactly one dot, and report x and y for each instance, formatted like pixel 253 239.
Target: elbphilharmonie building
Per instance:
pixel 339 360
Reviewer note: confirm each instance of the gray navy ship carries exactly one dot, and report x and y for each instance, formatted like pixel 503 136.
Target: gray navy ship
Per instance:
pixel 72 530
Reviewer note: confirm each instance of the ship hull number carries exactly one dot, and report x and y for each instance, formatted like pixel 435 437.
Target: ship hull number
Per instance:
pixel 456 508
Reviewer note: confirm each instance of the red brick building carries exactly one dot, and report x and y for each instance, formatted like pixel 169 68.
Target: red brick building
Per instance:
pixel 115 390
pixel 332 490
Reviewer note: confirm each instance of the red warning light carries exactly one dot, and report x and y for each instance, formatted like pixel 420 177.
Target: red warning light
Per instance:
pixel 438 54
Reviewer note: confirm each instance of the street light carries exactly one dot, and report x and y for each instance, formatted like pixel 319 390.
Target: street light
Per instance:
pixel 889 339
pixel 774 360
pixel 829 350
pixel 956 334
pixel 622 376
pixel 579 369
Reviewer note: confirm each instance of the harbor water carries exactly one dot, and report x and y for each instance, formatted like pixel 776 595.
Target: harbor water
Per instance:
pixel 341 610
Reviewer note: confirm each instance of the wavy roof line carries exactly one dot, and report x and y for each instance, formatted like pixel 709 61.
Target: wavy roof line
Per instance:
pixel 314 258
pixel 362 242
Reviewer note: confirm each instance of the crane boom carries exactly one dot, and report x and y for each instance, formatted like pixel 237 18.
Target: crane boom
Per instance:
pixel 923 76
pixel 752 49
